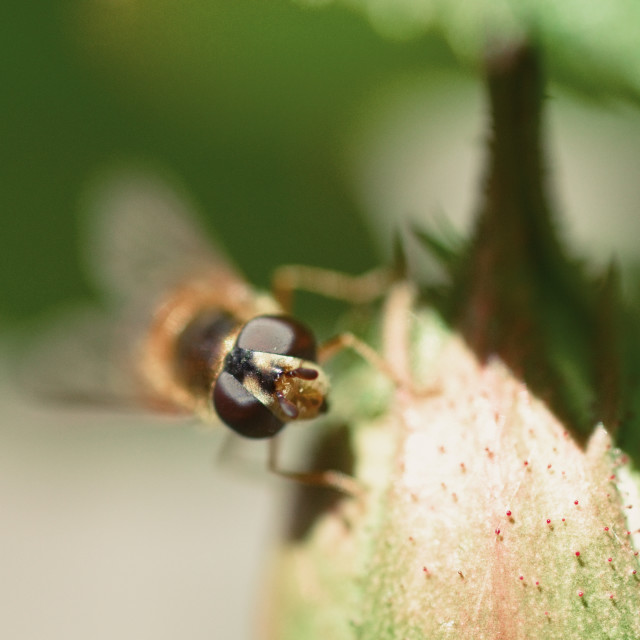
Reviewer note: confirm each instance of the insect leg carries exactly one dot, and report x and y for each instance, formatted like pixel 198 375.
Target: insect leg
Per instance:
pixel 329 478
pixel 395 362
pixel 347 340
pixel 331 284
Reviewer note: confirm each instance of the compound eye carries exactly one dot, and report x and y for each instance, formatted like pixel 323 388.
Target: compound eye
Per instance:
pixel 240 411
pixel 281 335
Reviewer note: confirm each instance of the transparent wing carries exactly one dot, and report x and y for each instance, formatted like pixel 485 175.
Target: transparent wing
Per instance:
pixel 143 238
pixel 141 242
pixel 79 357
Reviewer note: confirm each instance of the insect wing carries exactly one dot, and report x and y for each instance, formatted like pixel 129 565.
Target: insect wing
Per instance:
pixel 141 242
pixel 78 358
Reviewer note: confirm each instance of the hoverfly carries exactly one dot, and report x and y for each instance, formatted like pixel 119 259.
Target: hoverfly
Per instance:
pixel 183 330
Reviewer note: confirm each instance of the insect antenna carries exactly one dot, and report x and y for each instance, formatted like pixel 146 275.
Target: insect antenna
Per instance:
pixel 288 408
pixel 304 373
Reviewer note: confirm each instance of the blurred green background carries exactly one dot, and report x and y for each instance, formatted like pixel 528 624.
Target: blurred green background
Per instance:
pixel 246 101
pixel 301 133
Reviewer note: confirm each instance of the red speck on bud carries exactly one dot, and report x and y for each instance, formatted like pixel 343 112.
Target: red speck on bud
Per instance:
pixel 580 594
pixel 636 553
pixel 526 463
pixel 548 521
pixel 520 577
pixel 508 514
pixel 537 583
pixel 613 477
pixel 562 519
pixel 628 533
pixel 546 613
pixel 577 554
pixel 609 559
pixel 633 573
pixel 575 502
pixel 606 528
pixel 497 532
pixel 611 596
pixel 548 466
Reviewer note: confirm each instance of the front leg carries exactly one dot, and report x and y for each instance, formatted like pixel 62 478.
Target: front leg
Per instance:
pixel 330 284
